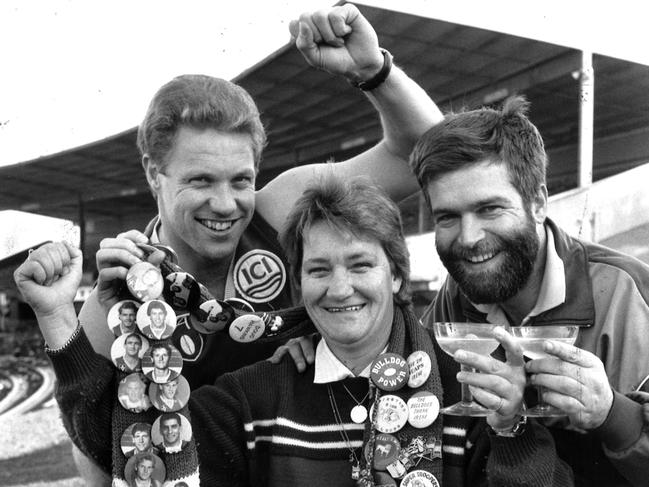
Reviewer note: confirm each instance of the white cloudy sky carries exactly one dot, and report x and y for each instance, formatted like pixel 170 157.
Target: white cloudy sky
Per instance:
pixel 75 71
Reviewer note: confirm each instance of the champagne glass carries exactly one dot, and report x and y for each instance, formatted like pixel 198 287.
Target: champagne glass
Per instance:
pixel 474 337
pixel 531 340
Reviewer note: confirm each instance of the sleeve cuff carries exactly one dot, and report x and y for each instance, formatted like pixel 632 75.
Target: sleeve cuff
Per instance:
pixel 75 361
pixel 623 425
pixel 514 450
pixel 73 337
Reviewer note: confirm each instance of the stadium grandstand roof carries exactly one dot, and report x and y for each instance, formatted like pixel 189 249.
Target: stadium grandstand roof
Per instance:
pixel 311 116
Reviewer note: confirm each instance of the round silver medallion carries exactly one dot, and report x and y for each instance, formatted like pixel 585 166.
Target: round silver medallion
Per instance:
pixel 358 414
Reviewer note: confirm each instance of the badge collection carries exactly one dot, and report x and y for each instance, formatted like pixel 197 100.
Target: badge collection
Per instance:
pixel 159 299
pixel 166 297
pixel 393 455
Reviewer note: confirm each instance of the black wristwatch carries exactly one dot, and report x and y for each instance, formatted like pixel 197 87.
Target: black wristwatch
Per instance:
pixel 517 430
pixel 379 77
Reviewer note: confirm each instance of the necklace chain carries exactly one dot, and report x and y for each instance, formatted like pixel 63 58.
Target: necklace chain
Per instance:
pixel 339 421
pixel 364 476
pixel 358 403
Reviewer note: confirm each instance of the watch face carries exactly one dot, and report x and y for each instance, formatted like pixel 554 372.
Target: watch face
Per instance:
pixel 516 430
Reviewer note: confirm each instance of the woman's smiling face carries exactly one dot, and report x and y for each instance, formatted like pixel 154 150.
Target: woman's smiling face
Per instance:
pixel 347 286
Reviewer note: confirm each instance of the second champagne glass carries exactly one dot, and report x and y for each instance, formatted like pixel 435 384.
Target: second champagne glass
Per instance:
pixel 531 339
pixel 474 337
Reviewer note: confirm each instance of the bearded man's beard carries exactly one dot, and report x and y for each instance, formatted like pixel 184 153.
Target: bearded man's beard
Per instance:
pixel 517 253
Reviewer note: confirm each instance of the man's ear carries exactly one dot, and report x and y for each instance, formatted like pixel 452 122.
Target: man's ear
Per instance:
pixel 540 204
pixel 152 172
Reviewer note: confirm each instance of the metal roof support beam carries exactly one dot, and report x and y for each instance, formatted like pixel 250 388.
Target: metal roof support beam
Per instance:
pixel 586 118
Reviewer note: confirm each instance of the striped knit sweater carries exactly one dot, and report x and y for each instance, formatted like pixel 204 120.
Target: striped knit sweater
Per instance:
pixel 268 425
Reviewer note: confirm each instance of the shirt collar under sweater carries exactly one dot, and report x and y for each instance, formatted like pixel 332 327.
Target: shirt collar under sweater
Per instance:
pixel 329 369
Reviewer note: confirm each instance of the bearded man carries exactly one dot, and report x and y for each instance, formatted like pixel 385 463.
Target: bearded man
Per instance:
pixel 483 175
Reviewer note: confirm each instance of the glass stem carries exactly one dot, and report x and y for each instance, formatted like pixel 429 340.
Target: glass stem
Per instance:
pixel 539 394
pixel 467 397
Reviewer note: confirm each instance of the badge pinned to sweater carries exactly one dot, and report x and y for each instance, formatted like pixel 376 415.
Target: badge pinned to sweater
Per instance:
pixel 187 339
pixel 137 439
pixel 386 451
pixel 122 317
pixel 389 372
pixel 171 432
pixel 392 414
pixel 247 328
pixel 419 366
pixel 171 396
pixel 131 393
pixel 181 290
pixel 144 281
pixel 259 276
pixel 423 409
pixel 419 478
pixel 162 362
pixel 158 470
pixel 156 320
pixel 212 316
pixel 127 351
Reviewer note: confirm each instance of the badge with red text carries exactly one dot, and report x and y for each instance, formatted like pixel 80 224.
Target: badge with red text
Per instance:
pixel 389 372
pixel 247 328
pixel 423 409
pixel 386 450
pixel 419 478
pixel 259 276
pixel 419 365
pixel 144 281
pixel 392 414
